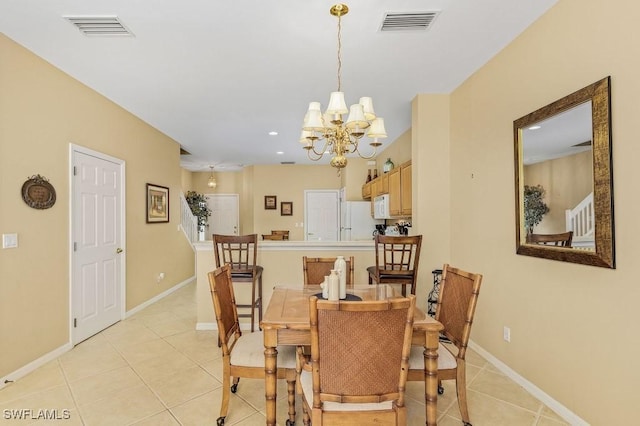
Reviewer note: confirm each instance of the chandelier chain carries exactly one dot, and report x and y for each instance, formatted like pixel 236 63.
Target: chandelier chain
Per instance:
pixel 339 53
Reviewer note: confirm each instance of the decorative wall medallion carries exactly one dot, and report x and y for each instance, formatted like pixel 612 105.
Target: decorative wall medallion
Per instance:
pixel 38 193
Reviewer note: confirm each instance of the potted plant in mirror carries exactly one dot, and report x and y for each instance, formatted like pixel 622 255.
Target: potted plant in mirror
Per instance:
pixel 198 205
pixel 534 207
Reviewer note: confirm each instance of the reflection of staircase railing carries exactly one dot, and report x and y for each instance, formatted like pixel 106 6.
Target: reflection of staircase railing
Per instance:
pixel 188 221
pixel 581 221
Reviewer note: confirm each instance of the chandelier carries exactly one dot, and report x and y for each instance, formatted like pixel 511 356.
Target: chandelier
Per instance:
pixel 327 133
pixel 211 183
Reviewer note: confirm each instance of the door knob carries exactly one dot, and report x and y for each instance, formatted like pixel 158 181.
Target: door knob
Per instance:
pixel 118 250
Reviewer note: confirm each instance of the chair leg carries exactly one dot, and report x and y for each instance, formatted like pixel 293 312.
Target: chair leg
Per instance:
pixel 234 386
pixel 260 301
pixel 226 379
pixel 291 396
pixel 253 303
pixel 306 420
pixel 461 391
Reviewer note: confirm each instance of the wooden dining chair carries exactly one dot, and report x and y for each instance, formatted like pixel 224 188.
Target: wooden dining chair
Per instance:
pixel 455 310
pixel 316 268
pixel 243 354
pixel 283 232
pixel 359 359
pixel 560 240
pixel 240 253
pixel 397 260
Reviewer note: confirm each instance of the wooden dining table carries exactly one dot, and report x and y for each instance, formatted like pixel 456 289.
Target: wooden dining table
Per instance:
pixel 286 322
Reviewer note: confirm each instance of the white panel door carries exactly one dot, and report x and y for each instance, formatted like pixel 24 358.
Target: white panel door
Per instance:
pixel 224 217
pixel 321 213
pixel 96 234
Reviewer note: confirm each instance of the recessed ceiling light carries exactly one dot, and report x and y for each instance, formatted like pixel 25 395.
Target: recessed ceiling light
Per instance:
pixel 272 133
pixel 534 127
pixel 279 152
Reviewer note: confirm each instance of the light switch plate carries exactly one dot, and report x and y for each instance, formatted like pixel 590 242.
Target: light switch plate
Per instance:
pixel 9 240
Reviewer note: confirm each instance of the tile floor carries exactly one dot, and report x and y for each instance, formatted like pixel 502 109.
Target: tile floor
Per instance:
pixel 155 369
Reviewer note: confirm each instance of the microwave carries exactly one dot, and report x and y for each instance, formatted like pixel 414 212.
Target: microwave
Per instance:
pixel 381 207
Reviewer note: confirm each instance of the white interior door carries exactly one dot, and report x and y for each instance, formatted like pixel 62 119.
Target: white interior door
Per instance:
pixel 224 219
pixel 97 296
pixel 321 222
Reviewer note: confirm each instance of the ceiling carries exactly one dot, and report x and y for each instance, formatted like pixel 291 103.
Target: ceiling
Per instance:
pixel 219 76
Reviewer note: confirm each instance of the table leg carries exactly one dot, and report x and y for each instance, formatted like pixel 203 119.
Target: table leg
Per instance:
pixel 270 382
pixel 431 376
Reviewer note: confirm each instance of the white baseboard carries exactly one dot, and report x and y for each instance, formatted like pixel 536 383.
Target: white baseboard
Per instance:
pixel 159 297
pixel 558 408
pixel 23 371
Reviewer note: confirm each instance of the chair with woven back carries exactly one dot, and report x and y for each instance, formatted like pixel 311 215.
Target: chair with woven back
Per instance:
pixel 560 240
pixel 455 310
pixel 359 359
pixel 397 260
pixel 316 268
pixel 243 354
pixel 240 253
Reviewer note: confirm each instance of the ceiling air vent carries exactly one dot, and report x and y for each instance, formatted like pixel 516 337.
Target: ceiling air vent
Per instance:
pixel 99 26
pixel 408 21
pixel 287 162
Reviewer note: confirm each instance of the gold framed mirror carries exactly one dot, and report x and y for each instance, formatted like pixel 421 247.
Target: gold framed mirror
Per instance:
pixel 564 179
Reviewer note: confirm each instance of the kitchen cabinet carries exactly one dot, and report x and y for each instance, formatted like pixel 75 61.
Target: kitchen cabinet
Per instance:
pixel 366 191
pixel 400 190
pixel 395 192
pixel 405 188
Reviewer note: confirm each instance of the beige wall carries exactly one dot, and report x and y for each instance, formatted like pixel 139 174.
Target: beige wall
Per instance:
pixel 573 327
pixel 399 151
pixel 567 181
pixel 42 111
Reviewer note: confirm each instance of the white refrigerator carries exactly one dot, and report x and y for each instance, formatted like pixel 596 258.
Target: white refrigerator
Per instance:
pixel 356 223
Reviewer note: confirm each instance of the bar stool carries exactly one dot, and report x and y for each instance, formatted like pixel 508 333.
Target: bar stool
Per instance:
pixel 397 261
pixel 240 252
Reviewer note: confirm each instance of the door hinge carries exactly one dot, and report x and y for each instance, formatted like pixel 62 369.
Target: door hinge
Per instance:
pixel 75 246
pixel 75 322
pixel 75 170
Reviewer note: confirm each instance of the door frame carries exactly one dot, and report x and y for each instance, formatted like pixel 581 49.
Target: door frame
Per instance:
pixel 73 148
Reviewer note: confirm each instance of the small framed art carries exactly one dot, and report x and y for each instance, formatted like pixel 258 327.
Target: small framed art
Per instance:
pixel 286 208
pixel 157 203
pixel 270 202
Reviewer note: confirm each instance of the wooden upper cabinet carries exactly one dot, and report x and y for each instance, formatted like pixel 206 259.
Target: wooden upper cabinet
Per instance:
pixel 384 188
pixel 366 191
pixel 395 192
pixel 405 178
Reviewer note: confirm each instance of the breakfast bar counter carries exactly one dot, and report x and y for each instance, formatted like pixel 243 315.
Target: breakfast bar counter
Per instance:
pixel 282 263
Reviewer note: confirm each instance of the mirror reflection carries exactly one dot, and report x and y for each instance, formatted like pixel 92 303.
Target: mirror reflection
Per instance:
pixel 564 194
pixel 557 161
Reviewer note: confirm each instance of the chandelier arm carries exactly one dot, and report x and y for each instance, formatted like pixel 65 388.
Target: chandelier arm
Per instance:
pixel 315 156
pixel 367 157
pixel 312 147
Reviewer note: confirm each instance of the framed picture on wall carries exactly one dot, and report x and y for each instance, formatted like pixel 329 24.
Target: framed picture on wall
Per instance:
pixel 270 202
pixel 157 203
pixel 286 208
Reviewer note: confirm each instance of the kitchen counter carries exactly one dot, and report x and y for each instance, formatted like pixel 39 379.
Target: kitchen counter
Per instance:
pixel 282 263
pixel 271 245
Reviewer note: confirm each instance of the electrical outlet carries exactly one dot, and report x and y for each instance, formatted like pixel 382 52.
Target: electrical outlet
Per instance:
pixel 506 334
pixel 160 277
